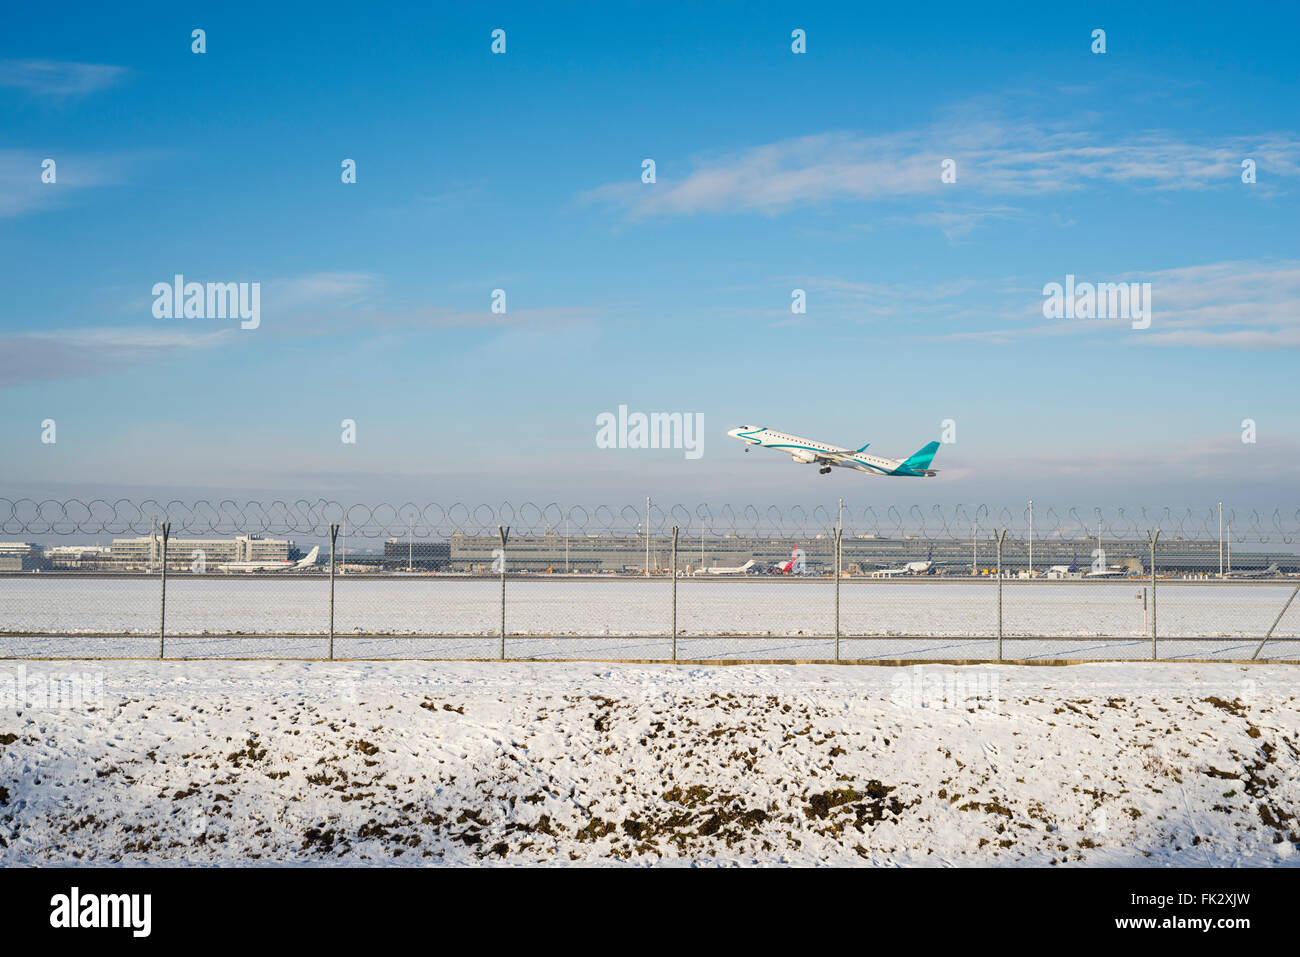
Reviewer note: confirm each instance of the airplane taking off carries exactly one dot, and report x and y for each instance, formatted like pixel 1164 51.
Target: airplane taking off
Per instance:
pixel 807 452
pixel 306 561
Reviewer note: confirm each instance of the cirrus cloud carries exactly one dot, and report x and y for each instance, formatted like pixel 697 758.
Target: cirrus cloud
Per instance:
pixel 995 158
pixel 58 79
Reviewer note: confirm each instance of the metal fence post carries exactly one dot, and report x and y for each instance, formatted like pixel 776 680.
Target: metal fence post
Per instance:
pixel 1001 538
pixel 675 531
pixel 334 534
pixel 505 534
pixel 839 564
pixel 1269 633
pixel 162 612
pixel 1153 540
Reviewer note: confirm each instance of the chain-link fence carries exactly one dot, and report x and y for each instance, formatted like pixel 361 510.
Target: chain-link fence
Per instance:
pixel 958 582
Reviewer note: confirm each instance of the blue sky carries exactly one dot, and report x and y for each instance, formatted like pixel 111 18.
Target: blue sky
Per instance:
pixel 775 171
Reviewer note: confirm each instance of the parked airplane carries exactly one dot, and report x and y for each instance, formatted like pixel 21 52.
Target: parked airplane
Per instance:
pixel 726 570
pixel 284 565
pixel 908 568
pixel 794 563
pixel 1065 571
pixel 1124 570
pixel 1271 572
pixel 1110 571
pixel 807 452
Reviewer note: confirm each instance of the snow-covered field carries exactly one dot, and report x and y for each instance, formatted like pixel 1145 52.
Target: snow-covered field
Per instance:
pixel 407 763
pixel 778 618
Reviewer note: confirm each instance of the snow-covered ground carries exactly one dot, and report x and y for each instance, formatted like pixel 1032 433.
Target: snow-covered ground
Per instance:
pixel 408 763
pixel 959 617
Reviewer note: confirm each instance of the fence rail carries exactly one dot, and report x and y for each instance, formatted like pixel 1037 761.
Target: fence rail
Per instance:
pixel 937 583
pixel 99 517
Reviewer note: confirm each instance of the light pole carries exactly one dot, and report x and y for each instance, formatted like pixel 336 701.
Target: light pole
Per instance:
pixel 1220 539
pixel 1031 538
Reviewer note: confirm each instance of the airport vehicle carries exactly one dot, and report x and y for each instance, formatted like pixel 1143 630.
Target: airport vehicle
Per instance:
pixel 809 452
pixel 284 565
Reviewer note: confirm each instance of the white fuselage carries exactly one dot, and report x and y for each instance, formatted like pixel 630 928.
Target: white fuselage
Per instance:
pixel 911 568
pixel 727 569
pixel 811 452
pixel 282 565
pixel 1115 572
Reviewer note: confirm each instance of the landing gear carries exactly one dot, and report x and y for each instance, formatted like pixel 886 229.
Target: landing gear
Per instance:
pixel 825 470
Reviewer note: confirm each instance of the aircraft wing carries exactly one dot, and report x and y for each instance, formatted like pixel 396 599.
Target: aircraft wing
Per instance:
pixel 843 455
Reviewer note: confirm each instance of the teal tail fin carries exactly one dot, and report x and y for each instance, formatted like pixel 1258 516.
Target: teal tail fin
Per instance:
pixel 920 460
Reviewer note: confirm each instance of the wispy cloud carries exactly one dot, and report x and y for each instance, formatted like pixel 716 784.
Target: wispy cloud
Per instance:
pixel 1239 305
pixel 82 351
pixel 352 303
pixel 58 79
pixel 319 304
pixel 904 306
pixel 995 158
pixel 22 190
pixel 333 290
pixel 73 353
pixel 1233 304
pixel 1223 305
pixel 956 223
pixel 1207 456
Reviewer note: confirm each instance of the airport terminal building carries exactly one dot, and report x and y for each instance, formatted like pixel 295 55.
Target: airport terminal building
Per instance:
pixel 22 557
pixel 861 555
pixel 417 556
pixel 631 554
pixel 145 552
